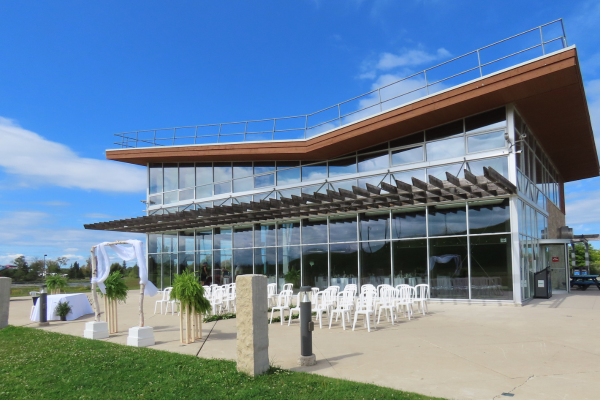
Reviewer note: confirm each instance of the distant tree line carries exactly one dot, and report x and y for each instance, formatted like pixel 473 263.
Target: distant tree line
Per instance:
pixel 31 271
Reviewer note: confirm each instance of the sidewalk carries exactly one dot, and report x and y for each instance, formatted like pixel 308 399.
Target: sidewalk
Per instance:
pixel 544 350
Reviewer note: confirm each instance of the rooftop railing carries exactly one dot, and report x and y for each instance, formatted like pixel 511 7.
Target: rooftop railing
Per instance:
pixel 506 53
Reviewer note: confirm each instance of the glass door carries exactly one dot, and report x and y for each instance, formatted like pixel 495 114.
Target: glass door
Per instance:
pixel 554 256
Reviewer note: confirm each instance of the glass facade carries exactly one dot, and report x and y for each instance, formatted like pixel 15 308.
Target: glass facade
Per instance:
pixel 460 249
pixel 186 186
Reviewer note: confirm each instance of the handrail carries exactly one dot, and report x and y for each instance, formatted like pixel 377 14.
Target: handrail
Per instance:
pixel 330 119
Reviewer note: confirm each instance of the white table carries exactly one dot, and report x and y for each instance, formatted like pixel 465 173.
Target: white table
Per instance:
pixel 79 302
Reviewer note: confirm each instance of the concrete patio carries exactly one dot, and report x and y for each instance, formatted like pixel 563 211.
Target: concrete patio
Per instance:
pixel 544 350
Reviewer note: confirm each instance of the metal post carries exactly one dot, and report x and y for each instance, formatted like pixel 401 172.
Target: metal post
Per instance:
pixel 426 84
pixel 542 38
pixel 379 94
pixel 43 300
pixel 307 358
pixel 479 63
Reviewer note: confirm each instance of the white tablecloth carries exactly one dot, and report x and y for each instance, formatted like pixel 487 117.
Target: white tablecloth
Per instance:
pixel 79 302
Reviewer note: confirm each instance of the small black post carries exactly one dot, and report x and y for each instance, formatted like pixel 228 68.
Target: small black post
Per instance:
pixel 43 306
pixel 307 358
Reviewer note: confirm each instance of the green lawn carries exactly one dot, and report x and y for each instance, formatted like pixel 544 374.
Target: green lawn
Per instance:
pixel 38 364
pixel 131 282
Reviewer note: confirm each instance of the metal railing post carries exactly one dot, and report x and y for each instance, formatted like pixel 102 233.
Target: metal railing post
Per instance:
pixel 305 126
pixel 542 38
pixel 274 127
pixel 174 135
pixel 426 84
pixel 219 134
pixel 564 33
pixel 245 130
pixel 136 138
pixel 379 94
pixel 479 63
pixel 340 114
pixel 154 138
pixel 196 134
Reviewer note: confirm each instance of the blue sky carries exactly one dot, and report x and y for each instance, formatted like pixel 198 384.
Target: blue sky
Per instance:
pixel 74 73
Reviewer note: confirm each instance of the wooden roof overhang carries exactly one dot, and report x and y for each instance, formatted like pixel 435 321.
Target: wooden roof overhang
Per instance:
pixel 548 92
pixel 489 185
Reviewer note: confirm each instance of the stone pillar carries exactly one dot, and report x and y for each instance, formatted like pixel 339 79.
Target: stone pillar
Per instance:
pixel 252 324
pixel 4 301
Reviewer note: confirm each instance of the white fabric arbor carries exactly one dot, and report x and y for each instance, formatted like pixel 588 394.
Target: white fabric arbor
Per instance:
pixel 101 270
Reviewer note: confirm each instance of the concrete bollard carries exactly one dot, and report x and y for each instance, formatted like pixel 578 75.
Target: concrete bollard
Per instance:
pixel 4 301
pixel 252 324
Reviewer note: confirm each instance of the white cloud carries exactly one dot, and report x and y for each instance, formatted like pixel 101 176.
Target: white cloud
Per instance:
pixel 73 257
pixel 71 250
pixel 98 216
pixel 53 203
pixel 8 258
pixel 583 213
pixel 37 160
pixel 409 58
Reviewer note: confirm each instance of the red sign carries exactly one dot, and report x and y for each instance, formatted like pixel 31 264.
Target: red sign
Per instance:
pixel 554 259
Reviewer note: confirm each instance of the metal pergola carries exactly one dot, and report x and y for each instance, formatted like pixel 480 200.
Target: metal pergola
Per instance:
pixel 489 185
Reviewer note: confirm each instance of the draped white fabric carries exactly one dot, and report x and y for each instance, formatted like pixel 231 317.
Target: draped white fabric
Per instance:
pixel 446 259
pixel 126 253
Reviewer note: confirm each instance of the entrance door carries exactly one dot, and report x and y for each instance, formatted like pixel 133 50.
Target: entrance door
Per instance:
pixel 554 256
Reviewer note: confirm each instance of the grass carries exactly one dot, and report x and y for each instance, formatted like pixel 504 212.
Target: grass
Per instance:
pixel 38 364
pixel 131 283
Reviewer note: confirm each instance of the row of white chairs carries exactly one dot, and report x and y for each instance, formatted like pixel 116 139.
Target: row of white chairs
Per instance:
pixel 371 301
pixel 166 299
pixel 221 298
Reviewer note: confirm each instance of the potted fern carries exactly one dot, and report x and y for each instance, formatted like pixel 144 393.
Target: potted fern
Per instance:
pixel 56 283
pixel 293 277
pixel 116 292
pixel 63 309
pixel 190 295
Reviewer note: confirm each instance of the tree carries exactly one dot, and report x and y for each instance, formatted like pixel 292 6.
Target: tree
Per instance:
pixel 75 272
pixel 134 271
pixel 594 257
pixel 53 267
pixel 116 267
pixel 62 261
pixel 36 268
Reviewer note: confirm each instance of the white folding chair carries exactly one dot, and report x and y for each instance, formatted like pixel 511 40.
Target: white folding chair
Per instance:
pixel 345 303
pixel 297 308
pixel 422 296
pixel 386 302
pixel 365 306
pixel 166 294
pixel 283 303
pixel 271 293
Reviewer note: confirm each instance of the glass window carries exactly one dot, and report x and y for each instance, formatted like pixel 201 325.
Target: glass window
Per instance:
pixel 168 269
pixel 288 176
pixel 241 169
pixel 343 166
pixel 342 228
pixel 315 171
pixel 407 176
pixel 314 188
pixel 440 172
pixel 222 267
pixel 314 230
pixel 264 235
pixel 288 233
pixel 409 223
pixel 170 177
pixel 264 180
pixel 154 243
pixel 375 226
pixel 186 262
pixel 447 219
pixel 444 131
pixel 243 185
pixel 204 240
pixel 222 239
pixel 443 149
pixel 265 196
pixel 344 264
pixel 408 140
pixel 373 162
pixel 288 266
pixel 375 263
pixel 372 180
pixel 204 173
pixel 156 178
pixel 409 155
pixel 491 267
pixel 171 197
pixel 289 192
pixel 487 141
pixel 489 216
pixel 500 164
pixel 186 176
pixel 265 263
pixel 344 184
pixel 381 146
pixel 186 241
pixel 314 266
pixel 156 199
pixel 222 171
pixel 187 194
pixel 486 121
pixel 204 267
pixel 262 167
pixel 287 164
pixel 242 260
pixel 222 188
pixel 204 191
pixel 242 199
pixel 410 262
pixel 242 237
pixel 448 268
pixel 154 264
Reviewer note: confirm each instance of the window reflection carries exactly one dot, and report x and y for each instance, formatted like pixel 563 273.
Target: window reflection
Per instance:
pixel 242 236
pixel 264 166
pixel 440 172
pixel 204 240
pixel 409 223
pixel 408 140
pixel 407 176
pixel 170 177
pixel 288 233
pixel 500 164
pixel 186 241
pixel 156 178
pixel 486 141
pixel 491 267
pixel 288 176
pixel 222 267
pixel 485 121
pixel 375 226
pixel 222 239
pixel 373 162
pixel 241 169
pixel 405 156
pixel 264 180
pixel 375 263
pixel 344 264
pixel 186 176
pixel 450 219
pixel 222 171
pixel 448 148
pixel 288 266
pixel 342 228
pixel 443 131
pixel 204 191
pixel 312 172
pixel 448 268
pixel 204 267
pixel 343 166
pixel 314 266
pixel 222 188
pixel 489 216
pixel 204 173
pixel 314 230
pixel 265 263
pixel 242 260
pixel 410 262
pixel 264 235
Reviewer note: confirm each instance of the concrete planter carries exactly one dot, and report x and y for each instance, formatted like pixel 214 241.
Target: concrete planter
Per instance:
pixel 96 330
pixel 141 337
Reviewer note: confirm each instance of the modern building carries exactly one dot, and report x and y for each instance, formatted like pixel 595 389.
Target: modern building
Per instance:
pixel 453 176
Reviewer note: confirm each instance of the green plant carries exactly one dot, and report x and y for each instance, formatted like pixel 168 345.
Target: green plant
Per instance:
pixel 218 317
pixel 116 289
pixel 56 282
pixel 62 309
pixel 188 291
pixel 293 276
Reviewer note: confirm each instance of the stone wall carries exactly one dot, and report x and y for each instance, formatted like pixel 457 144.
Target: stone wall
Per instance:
pixel 556 219
pixel 4 301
